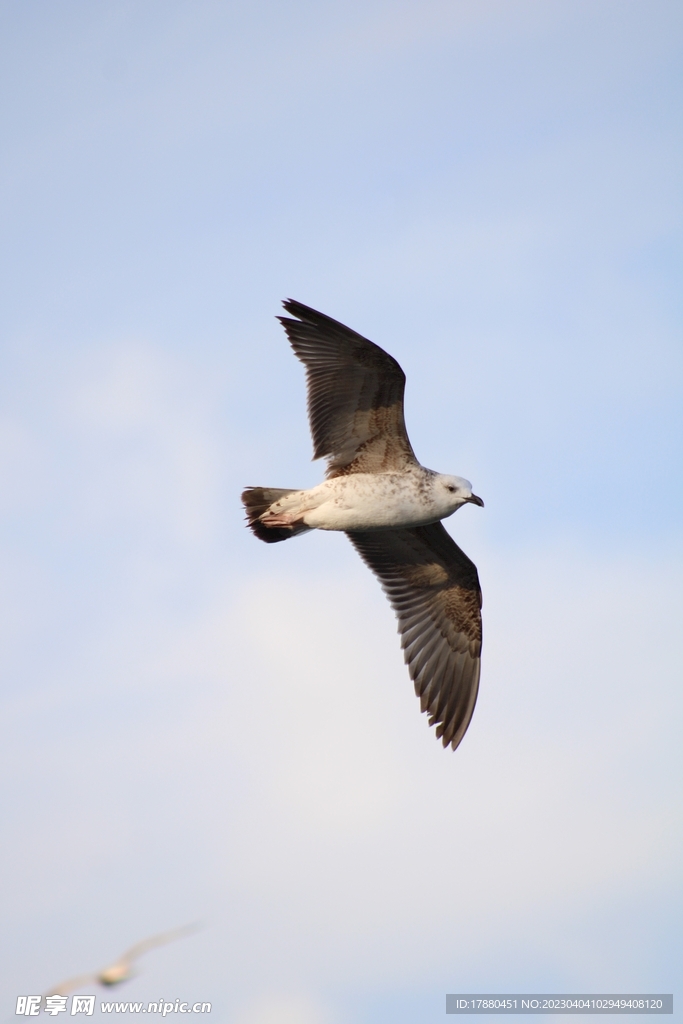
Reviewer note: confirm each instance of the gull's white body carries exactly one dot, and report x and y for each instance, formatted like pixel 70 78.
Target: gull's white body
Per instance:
pixel 373 501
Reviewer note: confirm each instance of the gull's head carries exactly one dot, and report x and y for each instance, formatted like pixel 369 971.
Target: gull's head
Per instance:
pixel 451 492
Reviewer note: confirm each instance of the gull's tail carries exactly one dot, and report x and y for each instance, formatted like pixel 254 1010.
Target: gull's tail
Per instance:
pixel 267 513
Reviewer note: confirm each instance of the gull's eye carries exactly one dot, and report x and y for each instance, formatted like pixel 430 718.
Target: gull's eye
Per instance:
pixel 451 488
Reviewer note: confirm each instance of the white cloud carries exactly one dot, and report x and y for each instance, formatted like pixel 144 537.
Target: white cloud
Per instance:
pixel 284 1009
pixel 277 737
pixel 144 441
pixel 298 753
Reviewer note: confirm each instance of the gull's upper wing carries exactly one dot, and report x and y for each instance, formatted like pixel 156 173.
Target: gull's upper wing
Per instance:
pixel 355 395
pixel 155 940
pixel 434 589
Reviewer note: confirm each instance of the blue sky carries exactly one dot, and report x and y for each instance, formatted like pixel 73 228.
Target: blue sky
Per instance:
pixel 198 726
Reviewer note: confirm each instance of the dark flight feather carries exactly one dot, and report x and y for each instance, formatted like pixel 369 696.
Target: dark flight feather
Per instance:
pixel 434 590
pixel 355 395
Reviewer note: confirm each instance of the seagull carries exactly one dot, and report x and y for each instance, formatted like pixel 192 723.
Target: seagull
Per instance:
pixel 121 969
pixel 390 508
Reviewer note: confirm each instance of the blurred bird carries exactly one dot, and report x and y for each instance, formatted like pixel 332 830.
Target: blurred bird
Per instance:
pixel 121 969
pixel 390 508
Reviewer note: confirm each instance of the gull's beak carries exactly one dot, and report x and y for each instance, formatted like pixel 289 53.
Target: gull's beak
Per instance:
pixel 475 499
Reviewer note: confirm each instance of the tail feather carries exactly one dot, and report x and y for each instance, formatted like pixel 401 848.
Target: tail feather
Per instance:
pixel 257 501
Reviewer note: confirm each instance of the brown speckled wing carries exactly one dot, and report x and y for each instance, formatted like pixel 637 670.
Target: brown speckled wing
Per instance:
pixel 434 589
pixel 355 395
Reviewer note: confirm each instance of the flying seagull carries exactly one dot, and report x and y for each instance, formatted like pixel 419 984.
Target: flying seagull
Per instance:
pixel 121 969
pixel 389 506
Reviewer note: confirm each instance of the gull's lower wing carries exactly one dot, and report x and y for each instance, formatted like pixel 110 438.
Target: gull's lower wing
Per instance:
pixel 70 985
pixel 434 589
pixel 355 395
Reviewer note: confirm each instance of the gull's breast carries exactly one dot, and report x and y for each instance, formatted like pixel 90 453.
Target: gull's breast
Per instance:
pixel 373 501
